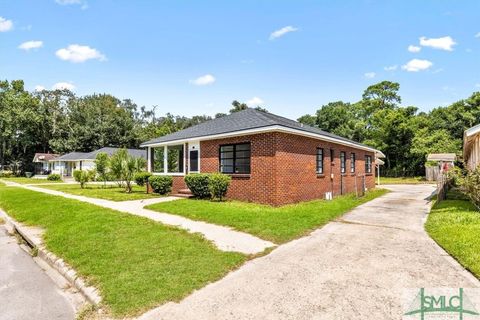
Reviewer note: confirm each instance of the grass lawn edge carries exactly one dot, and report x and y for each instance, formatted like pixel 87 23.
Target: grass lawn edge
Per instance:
pixel 221 262
pixel 454 226
pixel 172 207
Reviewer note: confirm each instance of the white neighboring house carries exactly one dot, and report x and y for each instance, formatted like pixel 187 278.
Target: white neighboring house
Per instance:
pixel 66 164
pixel 43 164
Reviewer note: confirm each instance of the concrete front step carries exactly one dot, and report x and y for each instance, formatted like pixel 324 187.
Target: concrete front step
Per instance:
pixel 183 195
pixel 185 191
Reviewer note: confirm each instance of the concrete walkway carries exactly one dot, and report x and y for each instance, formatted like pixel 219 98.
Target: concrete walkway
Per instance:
pixel 224 238
pixel 26 292
pixel 355 268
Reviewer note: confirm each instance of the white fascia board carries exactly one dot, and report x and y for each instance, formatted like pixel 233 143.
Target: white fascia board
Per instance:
pixel 473 130
pixel 275 128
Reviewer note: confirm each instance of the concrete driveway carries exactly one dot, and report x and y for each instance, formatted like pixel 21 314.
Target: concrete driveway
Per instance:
pixel 355 268
pixel 26 292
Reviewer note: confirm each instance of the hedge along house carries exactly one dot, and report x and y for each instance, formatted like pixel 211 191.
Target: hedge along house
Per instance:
pixel 67 163
pixel 271 159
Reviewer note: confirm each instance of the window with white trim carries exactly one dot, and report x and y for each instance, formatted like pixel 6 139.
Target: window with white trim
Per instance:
pixel 320 160
pixel 343 162
pixel 368 164
pixel 167 159
pixel 352 162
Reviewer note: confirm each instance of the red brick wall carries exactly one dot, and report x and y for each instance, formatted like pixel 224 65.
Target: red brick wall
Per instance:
pixel 297 179
pixel 283 169
pixel 260 185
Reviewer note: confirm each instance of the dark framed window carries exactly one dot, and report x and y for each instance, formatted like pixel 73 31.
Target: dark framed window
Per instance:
pixel 235 158
pixel 320 160
pixel 368 164
pixel 352 162
pixel 193 158
pixel 343 162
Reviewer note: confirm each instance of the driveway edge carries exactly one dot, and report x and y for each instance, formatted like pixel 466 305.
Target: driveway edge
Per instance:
pixel 33 237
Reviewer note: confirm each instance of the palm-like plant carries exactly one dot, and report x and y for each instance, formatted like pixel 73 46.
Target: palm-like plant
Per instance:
pixel 124 167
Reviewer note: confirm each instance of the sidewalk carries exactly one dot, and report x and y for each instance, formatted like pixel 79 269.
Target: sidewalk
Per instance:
pixel 226 239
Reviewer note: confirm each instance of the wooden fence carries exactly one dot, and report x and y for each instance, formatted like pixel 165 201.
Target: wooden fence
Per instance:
pixel 442 187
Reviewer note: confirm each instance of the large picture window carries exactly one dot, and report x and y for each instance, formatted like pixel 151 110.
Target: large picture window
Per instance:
pixel 352 162
pixel 368 164
pixel 320 160
pixel 175 158
pixel 167 159
pixel 157 159
pixel 343 161
pixel 235 158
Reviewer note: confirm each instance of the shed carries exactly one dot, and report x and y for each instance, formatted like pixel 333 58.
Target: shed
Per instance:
pixel 444 161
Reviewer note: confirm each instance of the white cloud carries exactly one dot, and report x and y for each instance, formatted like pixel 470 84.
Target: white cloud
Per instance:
pixel 82 3
pixel 369 75
pixel 5 25
pixel 443 43
pixel 255 102
pixel 39 88
pixel 391 68
pixel 30 45
pixel 477 35
pixel 281 32
pixel 416 65
pixel 413 48
pixel 76 53
pixel 63 85
pixel 203 80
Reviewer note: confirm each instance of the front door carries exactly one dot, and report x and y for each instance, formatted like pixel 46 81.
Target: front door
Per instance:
pixel 193 161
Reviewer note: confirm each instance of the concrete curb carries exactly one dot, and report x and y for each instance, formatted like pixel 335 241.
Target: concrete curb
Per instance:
pixel 33 237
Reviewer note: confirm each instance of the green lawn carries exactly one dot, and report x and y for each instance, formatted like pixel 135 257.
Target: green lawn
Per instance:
pixel 404 180
pixel 275 224
pixel 110 192
pixel 24 180
pixel 136 263
pixel 455 225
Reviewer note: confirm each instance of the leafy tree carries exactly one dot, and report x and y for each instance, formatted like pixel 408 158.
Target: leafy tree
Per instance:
pixel 101 165
pixel 383 95
pixel 237 106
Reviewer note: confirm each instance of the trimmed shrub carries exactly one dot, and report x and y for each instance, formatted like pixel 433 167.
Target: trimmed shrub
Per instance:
pixel 82 177
pixel 141 178
pixel 218 185
pixel 198 184
pixel 54 177
pixel 6 174
pixel 161 184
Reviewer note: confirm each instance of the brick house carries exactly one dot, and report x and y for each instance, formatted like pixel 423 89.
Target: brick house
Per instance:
pixel 271 159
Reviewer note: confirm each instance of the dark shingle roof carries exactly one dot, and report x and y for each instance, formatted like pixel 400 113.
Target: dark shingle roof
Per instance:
pixel 72 156
pixel 137 153
pixel 243 120
pixel 75 156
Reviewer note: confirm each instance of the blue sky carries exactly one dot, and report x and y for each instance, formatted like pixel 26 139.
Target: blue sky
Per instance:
pixel 195 57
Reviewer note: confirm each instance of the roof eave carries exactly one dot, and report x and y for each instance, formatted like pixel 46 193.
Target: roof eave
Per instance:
pixel 277 128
